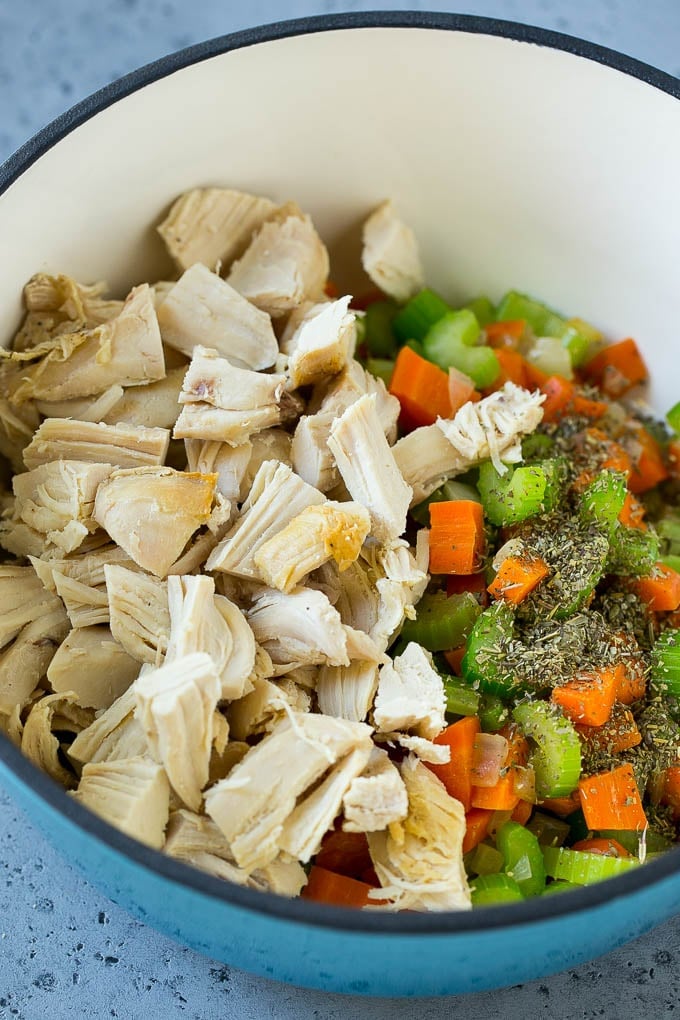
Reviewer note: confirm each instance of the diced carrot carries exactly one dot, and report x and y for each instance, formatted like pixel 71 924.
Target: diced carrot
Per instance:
pixel 461 390
pixel 619 733
pixel 522 812
pixel 505 335
pixel 670 789
pixel 477 824
pixel 456 774
pixel 562 398
pixel 611 800
pixel 632 682
pixel 457 536
pixel 599 845
pixel 501 797
pixel 517 577
pixel 513 369
pixel 535 377
pixel 673 458
pixel 562 806
pixel 344 853
pixel 421 388
pixel 360 302
pixel 326 887
pixel 455 659
pixel 457 584
pixel 595 445
pixel 617 368
pixel 589 698
pixel 648 469
pixel 661 590
pixel 633 513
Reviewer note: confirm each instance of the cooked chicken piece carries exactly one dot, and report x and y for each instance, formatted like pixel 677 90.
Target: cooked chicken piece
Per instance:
pixel 17 425
pixel 113 735
pixel 228 404
pixel 204 309
pixel 20 540
pixel 12 726
pixel 152 406
pixel 84 567
pixel 422 553
pixel 125 446
pixel 426 750
pixel 57 500
pixel 125 351
pixel 368 468
pixel 85 606
pixel 390 255
pixel 24 662
pixel 196 840
pixel 276 497
pixel 204 622
pixel 357 600
pixel 362 646
pixel 85 409
pixel 212 225
pixel 319 533
pixel 270 444
pixel 222 762
pixel 75 301
pixel 176 705
pixel 55 713
pixel 23 599
pixel 420 861
pixel 337 394
pixel 253 803
pixel 301 628
pixel 313 816
pixel 92 665
pixel 152 512
pixel 347 692
pixel 376 798
pixel 285 264
pixel 311 457
pixel 494 427
pixel 411 695
pixel 131 793
pixel 263 708
pixel 139 613
pixel 400 584
pixel 229 463
pixel 322 343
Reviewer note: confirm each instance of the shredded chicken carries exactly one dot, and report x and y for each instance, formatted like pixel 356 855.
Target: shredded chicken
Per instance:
pixel 124 446
pixel 321 344
pixel 130 793
pixel 92 665
pixel 411 695
pixel 347 692
pixel 138 612
pixel 390 255
pixel 24 662
pixel 229 463
pixel 300 628
pixel 377 798
pixel 113 735
pixel 57 500
pixel 55 713
pixel 85 606
pixel 260 710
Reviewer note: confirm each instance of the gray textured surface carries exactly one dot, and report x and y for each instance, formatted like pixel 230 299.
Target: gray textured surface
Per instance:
pixel 64 950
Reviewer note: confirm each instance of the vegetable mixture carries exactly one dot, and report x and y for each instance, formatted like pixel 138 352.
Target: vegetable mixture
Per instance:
pixel 370 600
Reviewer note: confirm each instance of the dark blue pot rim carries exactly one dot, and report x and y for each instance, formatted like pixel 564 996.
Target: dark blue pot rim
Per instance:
pixel 301 911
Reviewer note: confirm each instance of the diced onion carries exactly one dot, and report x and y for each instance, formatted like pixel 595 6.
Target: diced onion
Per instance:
pixel 489 754
pixel 550 356
pixel 525 783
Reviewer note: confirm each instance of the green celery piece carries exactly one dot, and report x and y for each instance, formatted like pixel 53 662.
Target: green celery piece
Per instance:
pixel 537 446
pixel 549 831
pixel 447 492
pixel 460 698
pixel 671 561
pixel 673 417
pixel 556 471
pixel 490 890
pixel 381 368
pixel 418 315
pixel 602 500
pixel 632 552
pixel 578 827
pixel 483 309
pixel 451 342
pixel 584 868
pixel 493 713
pixel 576 336
pixel 522 857
pixel 486 860
pixel 556 757
pixel 668 530
pixel 559 886
pixel 482 664
pixel 379 336
pixel 665 673
pixel 442 622
pixel 511 498
pixel 630 840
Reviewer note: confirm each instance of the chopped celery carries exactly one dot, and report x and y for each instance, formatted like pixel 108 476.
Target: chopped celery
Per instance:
pixel 482 309
pixel 450 490
pixel 665 673
pixel 522 857
pixel 451 342
pixel 671 561
pixel 632 552
pixel 602 500
pixel 548 831
pixel 582 867
pixel 668 530
pixel 673 417
pixel 378 333
pixel 537 446
pixel 460 698
pixel 520 493
pixel 576 335
pixel 578 827
pixel 416 346
pixel 556 758
pixel 418 314
pixel 559 886
pixel 488 890
pixel 381 368
pixel 493 713
pixel 442 621
pixel 630 840
pixel 482 664
pixel 485 860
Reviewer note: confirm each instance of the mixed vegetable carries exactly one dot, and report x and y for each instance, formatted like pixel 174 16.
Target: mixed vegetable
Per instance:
pixel 373 600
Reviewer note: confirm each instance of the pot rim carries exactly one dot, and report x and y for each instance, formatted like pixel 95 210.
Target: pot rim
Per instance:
pixel 300 911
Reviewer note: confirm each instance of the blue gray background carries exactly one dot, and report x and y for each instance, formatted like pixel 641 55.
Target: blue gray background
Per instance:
pixel 65 951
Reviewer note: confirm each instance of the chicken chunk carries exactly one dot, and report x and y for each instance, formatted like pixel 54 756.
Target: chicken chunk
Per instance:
pixel 24 662
pixel 300 628
pixel 265 706
pixel 285 264
pixel 204 309
pixel 321 344
pixel 113 735
pixel 92 665
pixel 153 512
pixel 175 705
pixel 212 225
pixel 85 606
pixel 400 583
pixel 368 468
pixel 229 463
pixel 153 406
pixel 17 425
pixel 55 713
pixel 377 798
pixel 131 794
pixel 90 409
pixel 347 692
pixel 23 599
pixel 75 301
pixel 390 255
pixel 57 500
pixel 125 446
pixel 139 613
pixel 411 695
pixel 251 806
pixel 420 861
